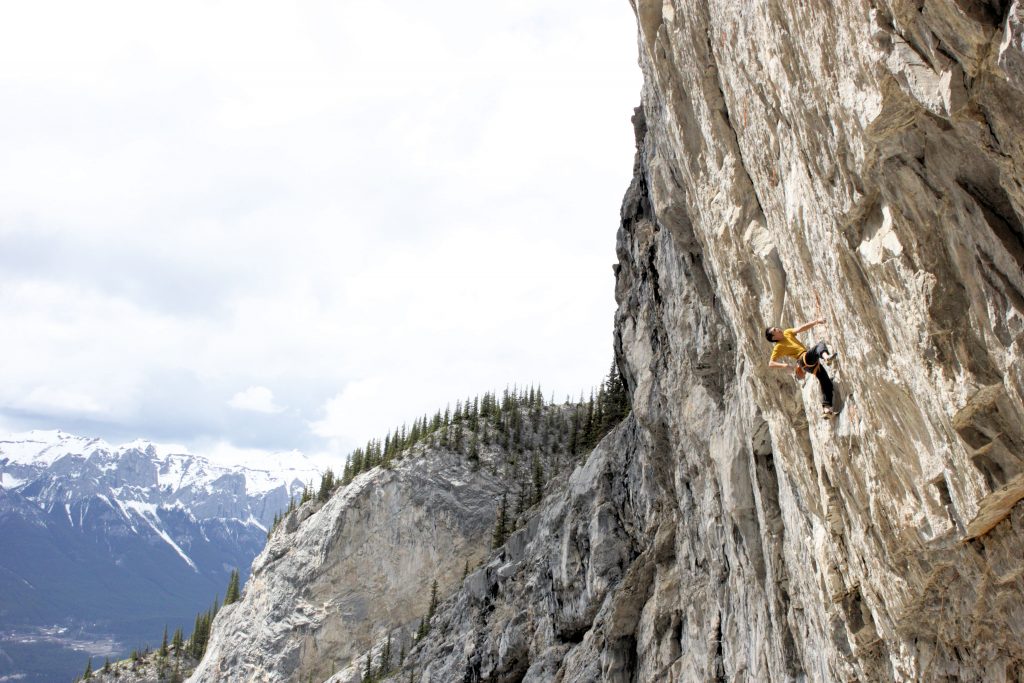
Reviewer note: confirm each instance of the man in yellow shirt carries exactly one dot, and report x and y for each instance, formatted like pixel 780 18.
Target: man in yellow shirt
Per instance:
pixel 788 346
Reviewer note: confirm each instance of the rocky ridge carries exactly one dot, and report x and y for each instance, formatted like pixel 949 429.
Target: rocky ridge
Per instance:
pixel 338 576
pixel 857 161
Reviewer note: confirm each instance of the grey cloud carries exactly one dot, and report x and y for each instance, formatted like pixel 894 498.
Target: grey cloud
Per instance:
pixel 177 406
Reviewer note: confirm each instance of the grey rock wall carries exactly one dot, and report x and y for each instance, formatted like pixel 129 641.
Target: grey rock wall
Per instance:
pixel 335 576
pixel 862 162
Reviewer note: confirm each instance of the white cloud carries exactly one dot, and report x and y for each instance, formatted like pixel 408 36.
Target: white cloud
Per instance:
pixel 404 201
pixel 60 400
pixel 354 412
pixel 256 399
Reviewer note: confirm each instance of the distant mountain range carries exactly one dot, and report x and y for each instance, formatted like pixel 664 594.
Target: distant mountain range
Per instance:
pixel 108 544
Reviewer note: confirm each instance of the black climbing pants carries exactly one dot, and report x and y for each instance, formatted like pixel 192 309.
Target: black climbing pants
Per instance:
pixel 813 357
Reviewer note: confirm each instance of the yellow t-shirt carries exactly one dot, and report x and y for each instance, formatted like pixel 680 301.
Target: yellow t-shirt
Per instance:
pixel 789 346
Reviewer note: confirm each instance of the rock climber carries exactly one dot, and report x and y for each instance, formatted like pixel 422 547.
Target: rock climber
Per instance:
pixel 787 345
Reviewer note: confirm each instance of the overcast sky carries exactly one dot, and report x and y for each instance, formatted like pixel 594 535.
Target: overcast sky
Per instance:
pixel 247 225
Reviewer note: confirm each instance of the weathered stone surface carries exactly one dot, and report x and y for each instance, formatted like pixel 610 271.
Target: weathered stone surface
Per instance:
pixel 336 575
pixel 858 159
pixel 148 668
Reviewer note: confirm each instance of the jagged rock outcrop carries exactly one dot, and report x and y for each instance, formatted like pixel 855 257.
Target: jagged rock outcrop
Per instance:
pixel 529 613
pixel 148 667
pixel 338 576
pixel 335 575
pixel 858 159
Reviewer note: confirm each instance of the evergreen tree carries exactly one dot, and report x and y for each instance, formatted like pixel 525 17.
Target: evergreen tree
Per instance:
pixel 177 642
pixel 234 591
pixel 538 480
pixel 273 525
pixel 520 500
pixel 599 416
pixel 457 437
pixel 474 451
pixel 433 601
pixel 587 424
pixel 88 670
pixel 326 486
pixel 500 525
pixel 201 631
pixel 163 644
pixel 357 461
pixel 385 663
pixel 194 640
pixel 369 666
pixel 616 399
pixel 106 665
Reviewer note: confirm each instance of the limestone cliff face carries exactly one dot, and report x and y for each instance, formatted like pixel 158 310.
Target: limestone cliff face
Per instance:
pixel 858 159
pixel 335 576
pixel 866 156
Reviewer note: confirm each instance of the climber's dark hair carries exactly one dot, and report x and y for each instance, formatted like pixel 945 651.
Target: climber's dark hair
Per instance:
pixel 768 334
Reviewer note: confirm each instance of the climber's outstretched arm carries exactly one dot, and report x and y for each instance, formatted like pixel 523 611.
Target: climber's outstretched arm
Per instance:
pixel 807 326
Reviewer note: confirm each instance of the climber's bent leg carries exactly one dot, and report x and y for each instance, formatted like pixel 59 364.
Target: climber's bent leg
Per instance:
pixel 826 386
pixel 814 355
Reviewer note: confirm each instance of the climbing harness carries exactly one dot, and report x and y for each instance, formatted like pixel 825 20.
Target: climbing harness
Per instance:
pixel 804 367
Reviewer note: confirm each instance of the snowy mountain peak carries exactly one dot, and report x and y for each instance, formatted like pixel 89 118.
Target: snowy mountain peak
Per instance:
pixel 158 493
pixel 44 447
pixel 168 466
pixel 97 534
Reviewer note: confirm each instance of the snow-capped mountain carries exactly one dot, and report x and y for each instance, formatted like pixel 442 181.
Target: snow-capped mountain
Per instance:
pixel 119 540
pixel 53 467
